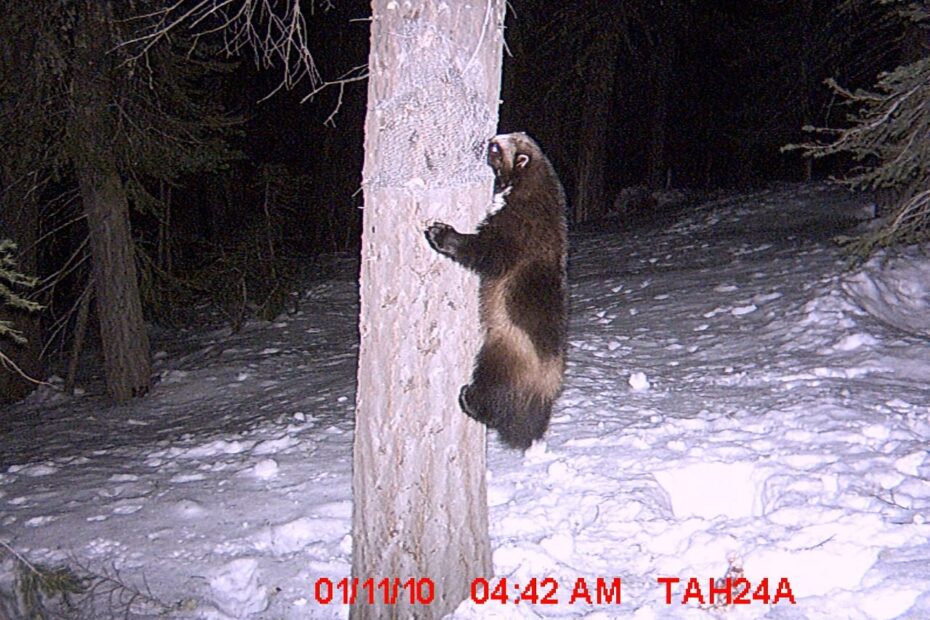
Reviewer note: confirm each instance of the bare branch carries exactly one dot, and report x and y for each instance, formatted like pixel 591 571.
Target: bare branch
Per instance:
pixel 6 362
pixel 355 74
pixel 275 31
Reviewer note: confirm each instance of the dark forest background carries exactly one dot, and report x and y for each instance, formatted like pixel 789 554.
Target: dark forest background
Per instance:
pixel 237 189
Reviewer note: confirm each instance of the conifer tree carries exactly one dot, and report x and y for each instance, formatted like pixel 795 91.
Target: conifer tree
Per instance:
pixel 12 282
pixel 83 116
pixel 888 141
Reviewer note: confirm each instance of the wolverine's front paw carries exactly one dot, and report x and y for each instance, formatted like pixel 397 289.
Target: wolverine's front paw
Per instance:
pixel 442 238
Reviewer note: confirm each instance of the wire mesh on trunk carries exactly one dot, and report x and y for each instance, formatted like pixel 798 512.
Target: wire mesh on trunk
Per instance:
pixel 413 139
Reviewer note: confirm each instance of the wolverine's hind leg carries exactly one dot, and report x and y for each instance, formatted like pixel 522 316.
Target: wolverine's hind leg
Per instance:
pixel 496 397
pixel 529 423
pixel 519 418
pixel 487 397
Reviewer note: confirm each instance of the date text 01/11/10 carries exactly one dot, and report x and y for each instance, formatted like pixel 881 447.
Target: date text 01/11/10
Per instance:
pixel 387 591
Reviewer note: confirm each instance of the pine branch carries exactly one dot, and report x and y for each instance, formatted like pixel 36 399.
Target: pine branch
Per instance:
pixel 43 593
pixel 888 143
pixel 10 279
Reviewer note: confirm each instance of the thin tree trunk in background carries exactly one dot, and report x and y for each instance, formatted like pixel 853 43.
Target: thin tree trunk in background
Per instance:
pixel 590 199
pixel 420 502
pixel 80 331
pixel 119 307
pixel 165 241
pixel 915 43
pixel 662 65
pixel 808 84
pixel 742 167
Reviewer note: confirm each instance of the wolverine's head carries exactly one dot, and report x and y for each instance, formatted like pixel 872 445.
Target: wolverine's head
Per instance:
pixel 511 155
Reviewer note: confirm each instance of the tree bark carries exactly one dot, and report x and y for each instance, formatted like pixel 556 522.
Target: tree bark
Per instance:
pixel 119 307
pixel 420 502
pixel 589 200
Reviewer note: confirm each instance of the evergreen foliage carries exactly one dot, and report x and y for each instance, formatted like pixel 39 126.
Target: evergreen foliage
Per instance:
pixel 40 592
pixel 888 142
pixel 250 274
pixel 10 281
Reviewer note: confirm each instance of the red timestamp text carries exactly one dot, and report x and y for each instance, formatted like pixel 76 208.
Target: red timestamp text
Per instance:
pixel 547 591
pixel 386 591
pixel 728 591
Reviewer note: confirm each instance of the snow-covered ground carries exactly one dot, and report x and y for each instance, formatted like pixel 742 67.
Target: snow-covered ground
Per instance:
pixel 736 404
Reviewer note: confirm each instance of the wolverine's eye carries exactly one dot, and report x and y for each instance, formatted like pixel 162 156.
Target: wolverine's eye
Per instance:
pixel 494 148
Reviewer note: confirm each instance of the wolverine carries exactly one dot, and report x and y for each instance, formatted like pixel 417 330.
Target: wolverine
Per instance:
pixel 519 253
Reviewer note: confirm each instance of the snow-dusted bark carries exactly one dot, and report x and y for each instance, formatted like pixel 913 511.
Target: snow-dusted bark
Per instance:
pixel 420 506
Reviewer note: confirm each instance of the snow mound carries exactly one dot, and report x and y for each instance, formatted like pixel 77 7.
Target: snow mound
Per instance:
pixel 265 469
pixel 236 588
pixel 639 381
pixel 896 291
pixel 712 489
pixel 818 571
pixel 293 536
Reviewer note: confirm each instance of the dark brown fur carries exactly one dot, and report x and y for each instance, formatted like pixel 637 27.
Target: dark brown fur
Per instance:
pixel 519 253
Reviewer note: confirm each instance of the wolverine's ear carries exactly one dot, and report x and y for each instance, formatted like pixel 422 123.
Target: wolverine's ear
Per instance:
pixel 522 160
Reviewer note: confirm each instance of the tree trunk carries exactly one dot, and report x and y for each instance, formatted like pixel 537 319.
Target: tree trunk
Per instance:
pixel 21 225
pixel 589 200
pixel 806 64
pixel 662 64
pixel 420 503
pixel 119 307
pixel 165 229
pixel 914 44
pixel 80 331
